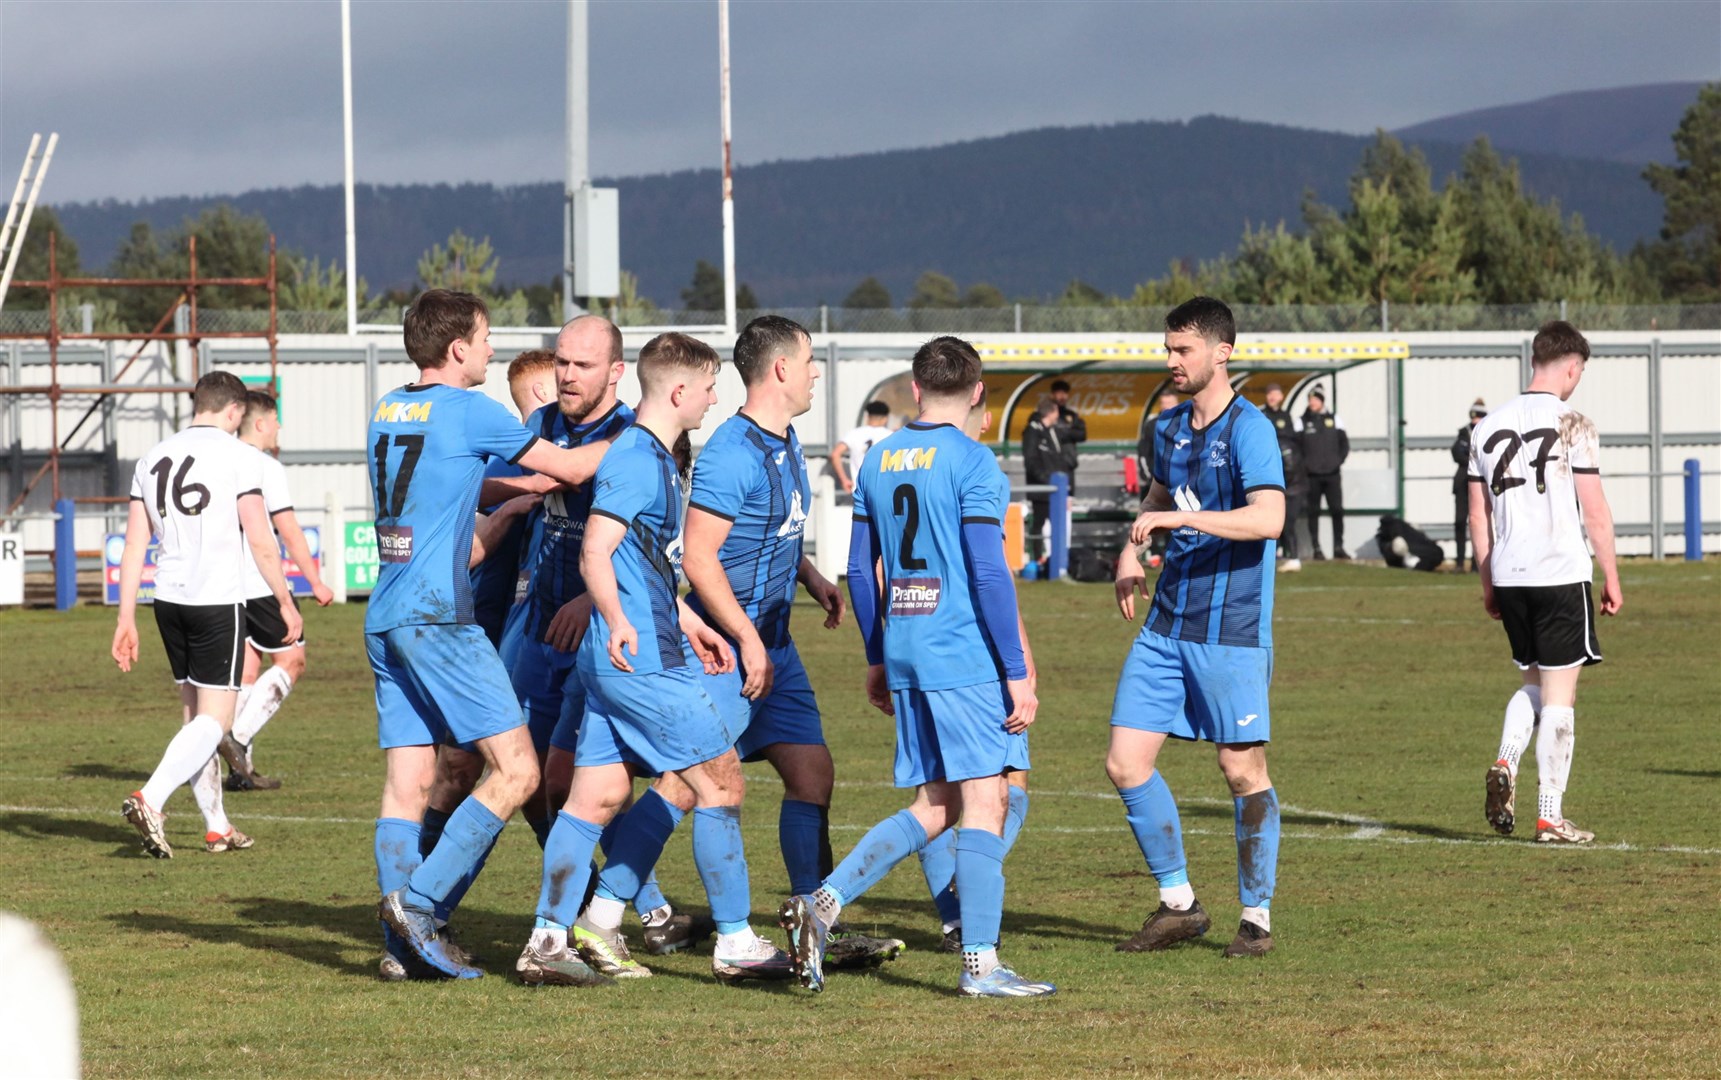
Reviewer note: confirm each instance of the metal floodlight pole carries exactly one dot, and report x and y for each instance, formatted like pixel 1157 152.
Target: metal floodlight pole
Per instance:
pixel 728 174
pixel 347 131
pixel 578 165
pixel 29 210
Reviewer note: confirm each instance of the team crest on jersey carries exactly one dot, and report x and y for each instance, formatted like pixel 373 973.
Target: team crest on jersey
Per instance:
pixel 915 596
pixel 1216 456
pixel 796 522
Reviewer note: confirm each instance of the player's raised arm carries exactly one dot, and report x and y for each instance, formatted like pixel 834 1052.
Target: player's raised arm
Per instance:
pixel 603 535
pixel 574 465
pixel 131 577
pixel 499 489
pixel 260 535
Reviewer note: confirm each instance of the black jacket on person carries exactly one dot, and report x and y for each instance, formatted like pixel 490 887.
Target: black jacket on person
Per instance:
pixel 1290 450
pixel 1044 452
pixel 1325 444
pixel 1461 455
pixel 1072 429
pixel 1419 552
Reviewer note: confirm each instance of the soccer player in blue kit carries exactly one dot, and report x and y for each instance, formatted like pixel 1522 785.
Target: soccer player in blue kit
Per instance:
pixel 646 710
pixel 1201 665
pixel 945 657
pixel 436 674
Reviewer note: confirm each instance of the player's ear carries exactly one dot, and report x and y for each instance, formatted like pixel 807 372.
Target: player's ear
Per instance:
pixel 978 395
pixel 915 386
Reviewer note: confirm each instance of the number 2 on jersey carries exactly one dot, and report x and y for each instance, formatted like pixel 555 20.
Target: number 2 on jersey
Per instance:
pixel 411 447
pixel 1501 482
pixel 905 501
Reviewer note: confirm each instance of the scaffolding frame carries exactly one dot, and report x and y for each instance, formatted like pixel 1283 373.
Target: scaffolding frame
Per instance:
pixel 192 335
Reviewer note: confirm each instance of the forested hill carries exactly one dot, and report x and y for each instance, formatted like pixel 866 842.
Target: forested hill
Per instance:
pixel 1027 212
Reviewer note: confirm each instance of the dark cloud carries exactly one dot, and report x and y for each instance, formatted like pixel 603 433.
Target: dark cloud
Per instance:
pixel 158 98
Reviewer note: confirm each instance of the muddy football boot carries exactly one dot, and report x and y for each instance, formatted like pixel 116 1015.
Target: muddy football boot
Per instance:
pixel 606 951
pixel 1251 940
pixel 561 967
pixel 807 935
pixel 147 822
pixel 1166 927
pixel 233 840
pixel 1561 832
pixel 677 932
pixel 1502 797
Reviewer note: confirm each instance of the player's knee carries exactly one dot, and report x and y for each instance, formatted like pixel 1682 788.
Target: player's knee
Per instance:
pixel 292 662
pixel 1246 772
pixel 675 792
pixel 1125 772
pixel 809 775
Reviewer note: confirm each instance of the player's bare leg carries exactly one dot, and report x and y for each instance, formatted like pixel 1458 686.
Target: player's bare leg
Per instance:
pixel 1523 713
pixel 1152 815
pixel 1554 746
pixel 1256 823
pixel 190 750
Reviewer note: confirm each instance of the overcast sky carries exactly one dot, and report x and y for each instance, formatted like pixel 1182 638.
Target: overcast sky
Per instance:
pixel 167 98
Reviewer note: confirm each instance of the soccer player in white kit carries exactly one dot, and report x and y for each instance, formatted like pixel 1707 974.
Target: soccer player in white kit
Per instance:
pixel 1535 491
pixel 200 491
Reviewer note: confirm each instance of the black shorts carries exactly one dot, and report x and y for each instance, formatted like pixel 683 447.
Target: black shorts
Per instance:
pixel 1549 626
pixel 205 642
pixel 266 630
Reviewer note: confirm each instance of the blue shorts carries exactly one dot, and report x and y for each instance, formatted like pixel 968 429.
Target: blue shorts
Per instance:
pixel 788 714
pixel 437 684
pixel 955 734
pixel 543 677
pixel 1191 690
pixel 658 721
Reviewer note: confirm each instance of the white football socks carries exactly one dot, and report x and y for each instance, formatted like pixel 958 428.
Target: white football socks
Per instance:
pixel 1260 916
pixel 1554 759
pixel 190 749
pixel 1178 897
pixel 827 905
pixel 981 963
pixel 549 940
pixel 264 700
pixel 206 789
pixel 743 942
pixel 604 913
pixel 1521 711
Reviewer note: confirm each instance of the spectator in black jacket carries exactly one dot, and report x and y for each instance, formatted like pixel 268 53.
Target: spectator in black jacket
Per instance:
pixel 1289 429
pixel 1461 482
pixel 1044 455
pixel 1325 447
pixel 1072 429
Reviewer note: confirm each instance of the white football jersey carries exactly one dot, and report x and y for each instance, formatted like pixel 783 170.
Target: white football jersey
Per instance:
pixel 859 441
pixel 1525 454
pixel 276 498
pixel 190 484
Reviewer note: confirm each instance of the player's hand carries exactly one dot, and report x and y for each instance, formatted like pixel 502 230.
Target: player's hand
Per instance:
pixel 756 669
pixel 713 651
pixel 543 484
pixel 828 597
pixel 878 690
pixel 1611 598
pixel 295 621
pixel 1152 521
pixel 568 625
pixel 1492 608
pixel 848 486
pixel 1023 705
pixel 1129 579
pixel 622 635
pixel 324 595
pixel 125 644
pixel 518 505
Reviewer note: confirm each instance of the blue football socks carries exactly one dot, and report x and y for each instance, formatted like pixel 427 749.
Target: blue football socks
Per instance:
pixel 938 863
pixel 434 822
pixel 722 865
pixel 445 907
pixel 802 833
pixel 466 839
pixel 1015 816
pixel 1152 816
pixel 567 869
pixel 885 844
pixel 397 854
pixel 1257 827
pixel 980 887
pixel 637 846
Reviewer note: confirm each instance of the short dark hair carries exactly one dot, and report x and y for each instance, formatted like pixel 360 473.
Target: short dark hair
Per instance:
pixel 437 319
pixel 1059 384
pixel 877 408
pixel 1046 407
pixel 531 362
pixel 946 366
pixel 257 403
pixel 1556 340
pixel 217 390
pixel 1205 316
pixel 761 341
pixel 674 351
pixel 1317 392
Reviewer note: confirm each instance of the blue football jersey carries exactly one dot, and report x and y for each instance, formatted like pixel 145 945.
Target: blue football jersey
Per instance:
pixel 638 485
pixel 758 482
pixel 426 448
pixel 1212 590
pixel 917 487
pixel 497 582
pixel 562 518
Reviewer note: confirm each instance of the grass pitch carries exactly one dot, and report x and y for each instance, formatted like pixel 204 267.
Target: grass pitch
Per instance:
pixel 1410 938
